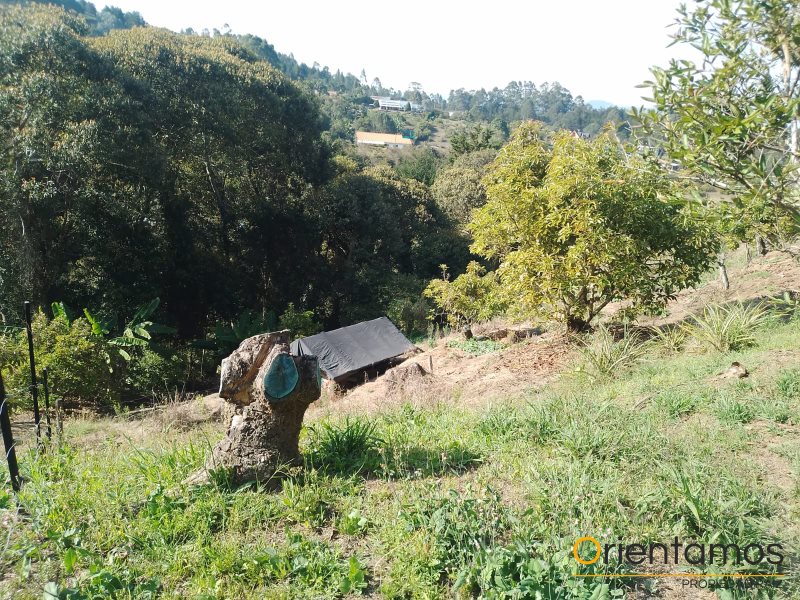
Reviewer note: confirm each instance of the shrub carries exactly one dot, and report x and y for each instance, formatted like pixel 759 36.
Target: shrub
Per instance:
pixel 603 356
pixel 671 339
pixel 728 328
pixel 470 297
pixel 300 322
pixel 155 370
pixel 476 347
pixel 577 224
pixel 83 369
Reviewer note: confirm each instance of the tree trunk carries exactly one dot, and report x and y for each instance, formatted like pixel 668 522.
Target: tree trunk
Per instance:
pixel 761 245
pixel 263 440
pixel 576 325
pixel 723 273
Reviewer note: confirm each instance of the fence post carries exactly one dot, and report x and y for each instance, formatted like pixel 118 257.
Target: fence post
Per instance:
pixel 8 439
pixel 32 360
pixel 46 389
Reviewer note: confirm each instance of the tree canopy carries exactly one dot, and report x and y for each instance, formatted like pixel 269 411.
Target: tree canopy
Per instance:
pixel 577 224
pixel 729 119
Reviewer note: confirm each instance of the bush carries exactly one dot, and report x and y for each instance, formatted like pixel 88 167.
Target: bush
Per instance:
pixel 470 297
pixel 83 369
pixel 477 347
pixel 300 322
pixel 150 370
pixel 604 356
pixel 576 224
pixel 728 328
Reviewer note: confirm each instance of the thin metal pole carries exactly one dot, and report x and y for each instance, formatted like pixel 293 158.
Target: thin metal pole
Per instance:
pixel 32 359
pixel 8 439
pixel 46 402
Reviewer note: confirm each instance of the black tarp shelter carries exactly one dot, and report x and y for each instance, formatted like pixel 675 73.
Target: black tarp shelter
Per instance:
pixel 343 352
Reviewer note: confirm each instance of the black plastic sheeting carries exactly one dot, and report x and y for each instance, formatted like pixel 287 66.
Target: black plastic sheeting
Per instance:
pixel 343 351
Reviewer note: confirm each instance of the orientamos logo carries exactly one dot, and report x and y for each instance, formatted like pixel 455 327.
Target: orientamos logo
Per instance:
pixel 588 551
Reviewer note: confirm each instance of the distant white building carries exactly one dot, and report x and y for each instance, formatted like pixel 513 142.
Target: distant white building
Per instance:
pixel 385 104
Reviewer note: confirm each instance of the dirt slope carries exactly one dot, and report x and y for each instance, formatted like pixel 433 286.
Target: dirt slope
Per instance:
pixel 478 380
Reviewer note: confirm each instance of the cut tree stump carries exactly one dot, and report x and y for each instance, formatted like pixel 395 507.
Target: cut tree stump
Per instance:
pixel 274 389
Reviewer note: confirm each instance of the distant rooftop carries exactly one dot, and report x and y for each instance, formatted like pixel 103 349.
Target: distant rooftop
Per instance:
pixel 382 139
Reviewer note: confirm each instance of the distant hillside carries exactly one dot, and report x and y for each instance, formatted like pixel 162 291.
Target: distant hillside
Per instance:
pixel 345 97
pixel 100 22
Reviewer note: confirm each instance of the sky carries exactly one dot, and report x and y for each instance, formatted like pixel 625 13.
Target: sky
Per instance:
pixel 600 50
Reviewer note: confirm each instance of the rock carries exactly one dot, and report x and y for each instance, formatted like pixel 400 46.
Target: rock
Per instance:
pixel 735 371
pixel 524 333
pixel 273 389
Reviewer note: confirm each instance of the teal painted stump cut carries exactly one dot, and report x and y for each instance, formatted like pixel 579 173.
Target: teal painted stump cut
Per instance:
pixel 281 378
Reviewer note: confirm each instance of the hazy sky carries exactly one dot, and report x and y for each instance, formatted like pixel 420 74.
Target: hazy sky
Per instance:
pixel 598 49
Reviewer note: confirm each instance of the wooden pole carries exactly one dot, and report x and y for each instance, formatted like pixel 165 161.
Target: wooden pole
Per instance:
pixel 32 360
pixel 46 389
pixel 8 439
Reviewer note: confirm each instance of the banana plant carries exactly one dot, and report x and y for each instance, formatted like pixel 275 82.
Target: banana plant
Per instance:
pixel 138 332
pixel 228 336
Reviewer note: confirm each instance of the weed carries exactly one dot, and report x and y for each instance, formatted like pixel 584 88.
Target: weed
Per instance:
pixel 732 409
pixel 788 385
pixel 603 356
pixel 476 347
pixel 727 328
pixel 676 403
pixel 350 447
pixel 671 339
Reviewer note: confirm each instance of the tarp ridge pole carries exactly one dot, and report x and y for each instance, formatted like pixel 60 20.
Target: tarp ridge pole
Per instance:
pixel 46 389
pixel 32 360
pixel 8 439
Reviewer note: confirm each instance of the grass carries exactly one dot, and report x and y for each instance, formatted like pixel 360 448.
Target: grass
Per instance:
pixel 477 347
pixel 430 502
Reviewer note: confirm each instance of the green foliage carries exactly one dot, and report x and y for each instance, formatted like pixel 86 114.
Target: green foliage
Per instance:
pixel 580 224
pixel 349 447
pixel 300 322
pixel 421 164
pixel 458 191
pixel 671 338
pixel 143 152
pixel 731 409
pixel 470 297
pixel 472 139
pixel 228 336
pixel 728 327
pixel 726 117
pixel 789 384
pixel 82 367
pixel 476 347
pixel 529 569
pixel 604 356
pixel 383 237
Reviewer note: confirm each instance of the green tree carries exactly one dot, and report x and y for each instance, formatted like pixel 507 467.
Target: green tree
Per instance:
pixel 421 164
pixel 579 224
pixel 730 118
pixel 458 191
pixel 473 138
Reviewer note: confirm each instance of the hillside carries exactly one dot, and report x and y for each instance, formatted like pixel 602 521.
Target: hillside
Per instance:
pixel 472 484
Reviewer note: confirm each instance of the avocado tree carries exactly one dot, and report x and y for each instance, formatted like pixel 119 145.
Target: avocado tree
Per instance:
pixel 729 118
pixel 576 224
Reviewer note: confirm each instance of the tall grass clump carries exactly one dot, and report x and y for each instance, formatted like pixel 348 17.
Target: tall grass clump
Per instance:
pixel 728 328
pixel 604 356
pixel 348 447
